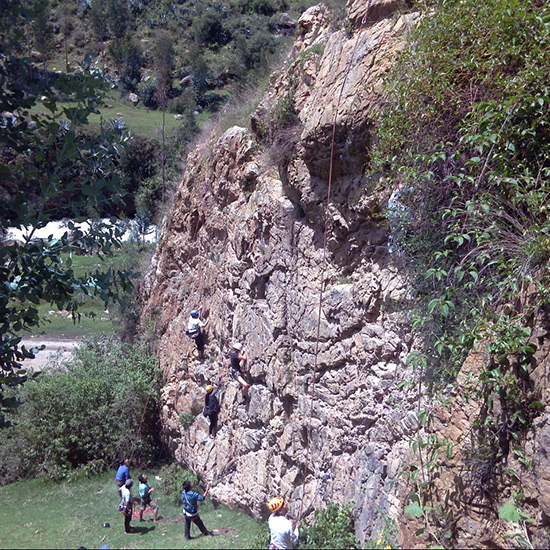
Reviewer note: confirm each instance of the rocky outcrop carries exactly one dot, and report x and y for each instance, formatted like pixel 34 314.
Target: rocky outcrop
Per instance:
pixel 321 324
pixel 280 236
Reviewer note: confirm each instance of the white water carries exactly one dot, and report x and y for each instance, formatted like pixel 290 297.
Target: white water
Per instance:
pixel 56 230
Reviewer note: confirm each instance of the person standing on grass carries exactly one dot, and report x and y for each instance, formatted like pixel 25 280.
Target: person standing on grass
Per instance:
pixel 126 505
pixel 190 499
pixel 145 498
pixel 122 474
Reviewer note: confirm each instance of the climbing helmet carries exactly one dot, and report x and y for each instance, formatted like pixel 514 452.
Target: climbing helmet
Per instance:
pixel 275 504
pixel 209 388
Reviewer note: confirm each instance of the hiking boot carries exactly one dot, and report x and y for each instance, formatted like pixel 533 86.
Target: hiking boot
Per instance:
pixel 211 436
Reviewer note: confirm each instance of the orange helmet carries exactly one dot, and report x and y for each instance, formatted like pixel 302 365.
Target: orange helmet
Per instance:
pixel 275 504
pixel 209 388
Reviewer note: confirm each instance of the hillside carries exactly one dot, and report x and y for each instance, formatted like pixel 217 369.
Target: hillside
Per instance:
pixel 315 236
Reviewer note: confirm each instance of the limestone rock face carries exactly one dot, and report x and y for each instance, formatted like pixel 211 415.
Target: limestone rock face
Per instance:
pixel 309 290
pixel 281 239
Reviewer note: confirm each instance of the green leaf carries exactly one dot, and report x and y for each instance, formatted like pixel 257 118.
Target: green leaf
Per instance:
pixel 509 512
pixel 414 510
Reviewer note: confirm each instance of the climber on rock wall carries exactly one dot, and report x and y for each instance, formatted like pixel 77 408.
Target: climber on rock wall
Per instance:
pixel 236 355
pixel 212 408
pixel 195 330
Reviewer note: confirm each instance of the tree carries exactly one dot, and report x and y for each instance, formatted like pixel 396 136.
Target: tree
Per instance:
pixel 99 19
pixel 164 56
pixel 43 31
pixel 44 157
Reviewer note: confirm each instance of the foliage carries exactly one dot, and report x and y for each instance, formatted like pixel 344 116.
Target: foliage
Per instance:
pixel 102 407
pixel 465 141
pixel 138 163
pixel 262 538
pixel 172 477
pixel 186 419
pixel 513 513
pixel 46 161
pixel 333 527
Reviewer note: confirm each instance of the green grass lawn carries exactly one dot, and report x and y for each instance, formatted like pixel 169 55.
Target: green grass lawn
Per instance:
pixel 139 120
pixel 56 325
pixel 68 515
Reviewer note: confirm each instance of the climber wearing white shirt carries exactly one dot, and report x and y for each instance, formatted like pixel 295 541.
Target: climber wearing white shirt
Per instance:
pixel 284 532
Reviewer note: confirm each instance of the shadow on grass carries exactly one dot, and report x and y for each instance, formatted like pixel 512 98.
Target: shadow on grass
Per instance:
pixel 142 530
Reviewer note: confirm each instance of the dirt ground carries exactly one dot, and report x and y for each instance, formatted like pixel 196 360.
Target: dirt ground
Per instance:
pixel 57 351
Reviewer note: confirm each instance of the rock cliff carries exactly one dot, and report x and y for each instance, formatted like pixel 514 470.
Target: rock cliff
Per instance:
pixel 245 241
pixel 279 236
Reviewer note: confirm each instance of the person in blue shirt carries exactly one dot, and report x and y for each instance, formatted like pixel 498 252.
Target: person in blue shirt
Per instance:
pixel 190 500
pixel 122 474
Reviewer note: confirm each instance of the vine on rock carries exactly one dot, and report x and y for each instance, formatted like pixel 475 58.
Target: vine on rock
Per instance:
pixel 465 144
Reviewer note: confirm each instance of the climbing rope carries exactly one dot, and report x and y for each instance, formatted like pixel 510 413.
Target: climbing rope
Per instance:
pixel 139 428
pixel 323 271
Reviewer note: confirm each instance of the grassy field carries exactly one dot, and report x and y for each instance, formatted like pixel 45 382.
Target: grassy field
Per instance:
pixel 139 120
pixel 70 515
pixel 57 325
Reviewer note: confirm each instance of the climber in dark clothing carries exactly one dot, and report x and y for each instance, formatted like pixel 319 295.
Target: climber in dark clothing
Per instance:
pixel 236 355
pixel 195 330
pixel 212 408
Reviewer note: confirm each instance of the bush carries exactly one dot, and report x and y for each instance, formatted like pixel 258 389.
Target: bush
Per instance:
pixel 332 528
pixel 464 138
pixel 103 407
pixel 186 419
pixel 172 477
pixel 184 103
pixel 147 93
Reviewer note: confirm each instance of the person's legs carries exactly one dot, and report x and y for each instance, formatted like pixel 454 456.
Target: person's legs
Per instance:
pixel 187 527
pixel 127 520
pixel 200 525
pixel 199 340
pixel 213 424
pixel 245 385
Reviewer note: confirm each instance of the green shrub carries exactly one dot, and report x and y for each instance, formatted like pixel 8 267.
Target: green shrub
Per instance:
pixel 103 407
pixel 184 103
pixel 172 477
pixel 332 527
pixel 186 419
pixel 262 538
pixel 464 138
